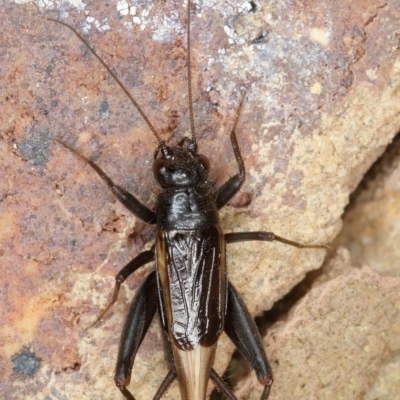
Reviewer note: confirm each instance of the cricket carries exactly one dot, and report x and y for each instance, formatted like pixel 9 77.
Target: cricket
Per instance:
pixel 190 287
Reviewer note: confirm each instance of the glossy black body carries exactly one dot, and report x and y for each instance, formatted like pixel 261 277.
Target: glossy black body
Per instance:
pixel 187 208
pixel 190 251
pixel 192 279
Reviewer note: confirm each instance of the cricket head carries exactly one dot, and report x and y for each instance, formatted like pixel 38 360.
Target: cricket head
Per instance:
pixel 180 166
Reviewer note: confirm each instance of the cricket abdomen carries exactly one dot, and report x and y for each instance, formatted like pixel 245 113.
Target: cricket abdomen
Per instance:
pixel 193 368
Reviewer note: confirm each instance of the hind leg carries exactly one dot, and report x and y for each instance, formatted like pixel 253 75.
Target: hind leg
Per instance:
pixel 242 330
pixel 137 323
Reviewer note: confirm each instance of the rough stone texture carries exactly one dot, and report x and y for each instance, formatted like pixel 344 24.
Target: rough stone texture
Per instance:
pixel 372 225
pixel 341 341
pixel 322 104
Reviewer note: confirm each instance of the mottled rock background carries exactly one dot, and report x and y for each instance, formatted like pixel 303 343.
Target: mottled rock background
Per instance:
pixel 322 105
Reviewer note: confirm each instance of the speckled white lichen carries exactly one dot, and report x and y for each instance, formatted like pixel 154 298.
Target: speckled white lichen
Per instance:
pixel 123 7
pixel 79 4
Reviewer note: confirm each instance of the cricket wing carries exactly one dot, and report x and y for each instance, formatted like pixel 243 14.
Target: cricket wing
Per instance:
pixel 192 282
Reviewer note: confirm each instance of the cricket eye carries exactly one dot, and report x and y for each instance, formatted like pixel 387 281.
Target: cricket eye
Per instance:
pixel 204 162
pixel 159 168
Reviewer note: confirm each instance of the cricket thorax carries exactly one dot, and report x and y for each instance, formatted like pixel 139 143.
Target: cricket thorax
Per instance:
pixel 189 208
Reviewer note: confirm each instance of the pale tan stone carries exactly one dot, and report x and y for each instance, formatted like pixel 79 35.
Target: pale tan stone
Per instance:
pixel 341 341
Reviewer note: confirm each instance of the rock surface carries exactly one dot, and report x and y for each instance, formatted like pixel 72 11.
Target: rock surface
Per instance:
pixel 341 341
pixel 372 225
pixel 322 103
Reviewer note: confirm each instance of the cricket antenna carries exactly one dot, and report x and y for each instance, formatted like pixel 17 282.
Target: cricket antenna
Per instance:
pixel 193 145
pixel 141 112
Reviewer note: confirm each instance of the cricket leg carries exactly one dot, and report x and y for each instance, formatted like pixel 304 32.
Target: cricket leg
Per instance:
pixel 128 200
pixel 242 330
pixel 268 237
pixel 171 375
pixel 221 385
pixel 137 323
pixel 141 259
pixel 231 187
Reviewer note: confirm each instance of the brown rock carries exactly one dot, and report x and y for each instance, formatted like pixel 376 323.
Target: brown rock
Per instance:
pixel 322 103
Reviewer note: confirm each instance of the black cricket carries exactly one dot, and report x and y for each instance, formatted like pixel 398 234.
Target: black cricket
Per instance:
pixel 189 288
